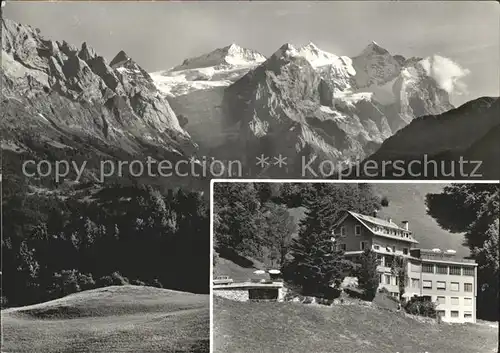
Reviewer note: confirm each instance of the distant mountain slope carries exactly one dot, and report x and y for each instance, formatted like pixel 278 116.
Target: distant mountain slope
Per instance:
pixel 467 131
pixel 407 202
pixel 142 319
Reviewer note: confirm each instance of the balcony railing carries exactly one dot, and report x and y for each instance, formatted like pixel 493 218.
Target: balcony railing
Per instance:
pixel 446 257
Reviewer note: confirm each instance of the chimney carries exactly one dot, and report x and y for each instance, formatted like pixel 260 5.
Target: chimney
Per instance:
pixel 389 220
pixel 375 213
pixel 405 225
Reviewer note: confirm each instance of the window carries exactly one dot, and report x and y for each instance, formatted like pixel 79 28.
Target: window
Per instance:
pixel 342 231
pixel 393 249
pixel 357 230
pixel 362 245
pixel 455 301
pixel 468 271
pixel 394 280
pixel 441 269
pixel 441 313
pixel 343 247
pixel 467 287
pixel 454 313
pixel 455 270
pixel 441 285
pixel 467 314
pixel 405 251
pixel 468 301
pixel 380 260
pixel 388 261
pixel 387 279
pixel 454 286
pixel 376 247
pixel 427 284
pixel 441 300
pixel 415 283
pixel 428 268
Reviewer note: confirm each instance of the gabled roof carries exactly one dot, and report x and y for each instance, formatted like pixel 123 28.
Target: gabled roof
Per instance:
pixel 378 221
pixel 366 220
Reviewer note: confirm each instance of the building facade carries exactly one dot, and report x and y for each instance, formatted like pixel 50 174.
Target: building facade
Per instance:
pixel 441 276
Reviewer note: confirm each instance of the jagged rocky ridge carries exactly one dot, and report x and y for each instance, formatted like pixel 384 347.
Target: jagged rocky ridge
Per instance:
pixel 59 100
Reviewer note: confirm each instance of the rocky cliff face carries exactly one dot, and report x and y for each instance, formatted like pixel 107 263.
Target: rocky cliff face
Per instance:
pixel 72 99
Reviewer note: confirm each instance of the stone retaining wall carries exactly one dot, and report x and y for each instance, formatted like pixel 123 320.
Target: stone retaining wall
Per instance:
pixel 240 295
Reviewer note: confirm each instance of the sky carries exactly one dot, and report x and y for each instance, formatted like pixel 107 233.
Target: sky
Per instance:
pixel 159 35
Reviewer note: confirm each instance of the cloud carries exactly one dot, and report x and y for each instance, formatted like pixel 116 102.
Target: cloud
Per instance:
pixel 447 73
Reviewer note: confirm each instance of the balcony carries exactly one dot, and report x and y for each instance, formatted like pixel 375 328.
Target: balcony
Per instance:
pixel 445 257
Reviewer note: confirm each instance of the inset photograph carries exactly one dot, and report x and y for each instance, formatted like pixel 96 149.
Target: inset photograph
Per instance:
pixel 355 267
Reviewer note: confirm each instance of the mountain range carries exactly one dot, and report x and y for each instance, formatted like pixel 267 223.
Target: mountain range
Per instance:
pixel 299 102
pixel 61 101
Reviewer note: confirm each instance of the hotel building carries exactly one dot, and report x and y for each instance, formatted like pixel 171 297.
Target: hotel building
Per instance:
pixel 440 275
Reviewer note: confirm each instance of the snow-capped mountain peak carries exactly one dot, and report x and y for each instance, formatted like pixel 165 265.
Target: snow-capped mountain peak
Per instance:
pixel 374 49
pixel 230 55
pixel 120 59
pixel 316 56
pixel 287 50
pixel 237 55
pixel 375 65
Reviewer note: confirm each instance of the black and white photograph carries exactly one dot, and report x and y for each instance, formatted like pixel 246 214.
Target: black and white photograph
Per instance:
pixel 117 116
pixel 355 267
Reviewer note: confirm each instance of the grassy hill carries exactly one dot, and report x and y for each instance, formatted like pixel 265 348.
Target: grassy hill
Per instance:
pixel 298 328
pixel 239 271
pixel 112 319
pixel 407 202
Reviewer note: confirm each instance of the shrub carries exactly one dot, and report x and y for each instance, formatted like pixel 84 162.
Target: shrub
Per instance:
pixel 355 293
pixel 67 282
pixel 384 290
pixel 85 281
pixel 384 202
pixel 156 283
pixel 115 279
pixel 420 306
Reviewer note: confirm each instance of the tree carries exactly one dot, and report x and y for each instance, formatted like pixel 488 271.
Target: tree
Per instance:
pixel 264 191
pixel 368 276
pixel 399 268
pixel 279 227
pixel 239 218
pixel 473 209
pixel 316 265
pixel 384 202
